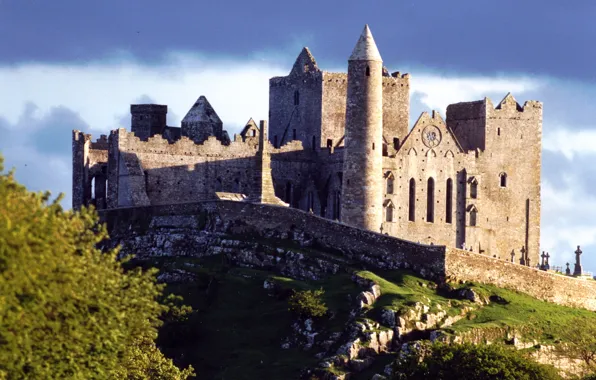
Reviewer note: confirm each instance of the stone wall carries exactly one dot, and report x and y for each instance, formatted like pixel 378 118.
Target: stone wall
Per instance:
pixel 188 229
pixel 258 221
pixel 547 286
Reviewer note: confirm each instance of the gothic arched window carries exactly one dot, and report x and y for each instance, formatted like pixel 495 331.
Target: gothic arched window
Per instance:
pixel 390 183
pixel 430 201
pixel 412 201
pixel 449 201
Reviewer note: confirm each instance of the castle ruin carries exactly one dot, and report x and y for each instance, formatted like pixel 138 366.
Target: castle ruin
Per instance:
pixel 339 145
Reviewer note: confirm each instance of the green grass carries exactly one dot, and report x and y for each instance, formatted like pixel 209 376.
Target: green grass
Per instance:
pixel 532 318
pixel 239 327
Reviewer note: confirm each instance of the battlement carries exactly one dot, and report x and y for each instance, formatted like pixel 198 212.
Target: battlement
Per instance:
pixel 397 74
pixel 100 143
pixel 128 141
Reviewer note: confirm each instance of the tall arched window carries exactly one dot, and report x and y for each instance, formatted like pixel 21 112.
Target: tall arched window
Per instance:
pixel 503 177
pixel 314 143
pixel 296 98
pixel 389 213
pixel 474 188
pixel 390 181
pixel 449 201
pixel 367 71
pixel 473 215
pixel 311 202
pixel 412 202
pixel 430 200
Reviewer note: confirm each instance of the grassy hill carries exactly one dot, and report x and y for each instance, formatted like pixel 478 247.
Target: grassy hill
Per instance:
pixel 237 327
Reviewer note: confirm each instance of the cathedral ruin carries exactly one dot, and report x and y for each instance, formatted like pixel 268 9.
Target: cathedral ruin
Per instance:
pixel 339 146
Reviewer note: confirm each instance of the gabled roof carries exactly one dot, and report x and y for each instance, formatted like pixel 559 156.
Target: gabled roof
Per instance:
pixel 366 48
pixel 304 60
pixel 201 111
pixel 435 120
pixel 249 124
pixel 509 100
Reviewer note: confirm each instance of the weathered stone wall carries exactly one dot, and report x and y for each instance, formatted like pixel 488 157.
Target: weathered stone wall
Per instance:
pixel 295 109
pixel 258 221
pixel 547 286
pixel 194 228
pixel 513 150
pixel 334 109
pixel 396 107
pixel 89 170
pixel 180 172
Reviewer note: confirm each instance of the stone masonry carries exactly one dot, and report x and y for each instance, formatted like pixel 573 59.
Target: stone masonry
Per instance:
pixel 339 146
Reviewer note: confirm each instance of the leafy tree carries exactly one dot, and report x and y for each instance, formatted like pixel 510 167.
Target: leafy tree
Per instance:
pixel 67 310
pixel 308 303
pixel 470 362
pixel 579 342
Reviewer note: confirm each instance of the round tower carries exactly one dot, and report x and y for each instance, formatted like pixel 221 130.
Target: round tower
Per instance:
pixel 363 153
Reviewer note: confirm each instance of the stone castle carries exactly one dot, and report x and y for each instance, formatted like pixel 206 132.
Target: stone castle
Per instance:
pixel 339 146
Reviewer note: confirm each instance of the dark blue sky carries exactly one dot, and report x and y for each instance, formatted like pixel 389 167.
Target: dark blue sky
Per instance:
pixel 545 37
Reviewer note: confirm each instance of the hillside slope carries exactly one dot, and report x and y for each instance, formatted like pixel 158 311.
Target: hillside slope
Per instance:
pixel 240 326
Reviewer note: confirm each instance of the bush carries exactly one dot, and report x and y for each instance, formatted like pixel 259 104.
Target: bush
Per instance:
pixel 67 310
pixel 470 362
pixel 308 303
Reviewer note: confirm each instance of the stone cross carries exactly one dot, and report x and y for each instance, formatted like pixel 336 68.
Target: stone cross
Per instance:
pixel 568 271
pixel 543 256
pixel 512 255
pixel 522 260
pixel 577 271
pixel 381 228
pixel 547 265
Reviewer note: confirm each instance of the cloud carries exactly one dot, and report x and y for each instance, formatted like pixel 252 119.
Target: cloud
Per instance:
pixel 101 93
pixel 41 104
pixel 438 92
pixel 571 143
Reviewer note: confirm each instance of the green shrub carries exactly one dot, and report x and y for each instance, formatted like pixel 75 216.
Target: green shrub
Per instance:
pixel 470 362
pixel 308 303
pixel 67 310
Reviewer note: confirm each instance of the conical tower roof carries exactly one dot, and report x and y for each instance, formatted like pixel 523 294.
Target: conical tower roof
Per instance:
pixel 366 48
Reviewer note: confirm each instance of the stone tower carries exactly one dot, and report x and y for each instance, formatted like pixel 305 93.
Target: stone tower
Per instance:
pixel 147 120
pixel 362 169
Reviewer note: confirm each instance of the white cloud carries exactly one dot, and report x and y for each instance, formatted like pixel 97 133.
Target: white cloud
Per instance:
pixel 439 91
pixel 570 142
pixel 101 94
pixel 566 221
